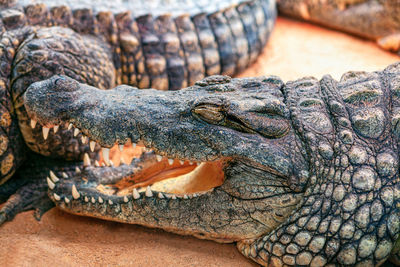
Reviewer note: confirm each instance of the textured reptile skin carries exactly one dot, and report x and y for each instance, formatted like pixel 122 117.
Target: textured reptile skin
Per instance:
pixel 310 167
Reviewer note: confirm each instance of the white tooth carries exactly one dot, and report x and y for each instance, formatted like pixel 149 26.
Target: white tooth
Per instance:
pixel 70 126
pixel 33 123
pixel 111 163
pixel 86 160
pixel 66 200
pixel 148 193
pixel 170 161
pixel 76 132
pixel 133 145
pixel 160 195
pixel 65 176
pixel 93 200
pixel 110 202
pixel 54 177
pixel 135 194
pixel 77 170
pixel 195 195
pixel 181 162
pixel 106 155
pixel 103 165
pixel 50 183
pixel 83 139
pixel 126 199
pixel 86 199
pixel 122 161
pixel 55 129
pixel 75 193
pixel 56 197
pixel 96 163
pixel 100 200
pixel 173 197
pixel 190 162
pixel 185 196
pixel 45 131
pixel 159 158
pixel 121 148
pixel 92 145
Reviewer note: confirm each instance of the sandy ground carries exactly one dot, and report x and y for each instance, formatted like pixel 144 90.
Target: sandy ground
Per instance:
pixel 296 49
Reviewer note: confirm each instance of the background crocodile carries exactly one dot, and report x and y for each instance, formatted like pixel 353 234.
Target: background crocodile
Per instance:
pixel 373 19
pixel 298 174
pixel 162 44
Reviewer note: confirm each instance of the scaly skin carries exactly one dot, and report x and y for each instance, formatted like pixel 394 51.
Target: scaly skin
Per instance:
pixel 377 20
pixel 105 44
pixel 309 168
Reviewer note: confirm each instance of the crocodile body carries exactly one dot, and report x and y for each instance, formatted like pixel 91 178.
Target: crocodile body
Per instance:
pixel 159 44
pixel 377 20
pixel 298 174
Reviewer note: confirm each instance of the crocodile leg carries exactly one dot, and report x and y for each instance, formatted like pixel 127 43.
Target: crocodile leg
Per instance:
pixel 32 183
pixel 375 20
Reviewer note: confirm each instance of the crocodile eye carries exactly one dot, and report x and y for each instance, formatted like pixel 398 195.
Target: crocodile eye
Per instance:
pixel 209 113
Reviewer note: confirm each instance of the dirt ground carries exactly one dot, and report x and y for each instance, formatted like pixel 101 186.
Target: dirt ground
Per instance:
pixel 295 49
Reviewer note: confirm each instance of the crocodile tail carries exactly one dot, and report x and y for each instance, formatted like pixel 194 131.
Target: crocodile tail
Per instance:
pixel 12 147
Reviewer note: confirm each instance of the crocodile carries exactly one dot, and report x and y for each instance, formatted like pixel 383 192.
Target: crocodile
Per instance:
pixel 376 20
pixel 165 45
pixel 303 173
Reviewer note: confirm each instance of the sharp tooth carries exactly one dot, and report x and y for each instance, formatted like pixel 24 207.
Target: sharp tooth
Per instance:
pixel 65 176
pixel 96 163
pixel 45 131
pixel 121 148
pixel 86 199
pixel 170 161
pixel 50 183
pixel 106 155
pixel 185 196
pixel 54 177
pixel 75 193
pixel 159 158
pixel 135 193
pixel 103 165
pixel 56 197
pixel 76 132
pixel 100 200
pixel 33 123
pixel 190 162
pixel 93 200
pixel 173 197
pixel 122 161
pixel 148 193
pixel 83 139
pixel 86 160
pixel 126 199
pixel 55 129
pixel 195 195
pixel 160 195
pixel 111 163
pixel 92 145
pixel 66 200
pixel 77 170
pixel 133 145
pixel 181 162
pixel 70 126
pixel 110 202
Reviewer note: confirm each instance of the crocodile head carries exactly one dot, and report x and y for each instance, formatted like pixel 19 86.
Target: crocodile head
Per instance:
pixel 226 163
pixel 300 174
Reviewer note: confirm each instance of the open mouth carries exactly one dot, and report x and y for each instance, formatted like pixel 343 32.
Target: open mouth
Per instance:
pixel 148 175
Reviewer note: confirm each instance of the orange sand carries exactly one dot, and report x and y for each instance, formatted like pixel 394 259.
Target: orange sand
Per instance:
pixel 296 49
